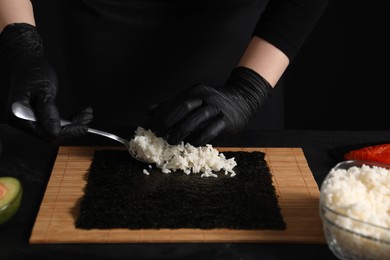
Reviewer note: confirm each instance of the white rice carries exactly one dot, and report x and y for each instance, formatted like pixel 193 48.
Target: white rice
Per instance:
pixel 169 158
pixel 360 195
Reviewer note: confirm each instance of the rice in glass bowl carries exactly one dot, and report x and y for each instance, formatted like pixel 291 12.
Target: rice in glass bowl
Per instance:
pixel 355 210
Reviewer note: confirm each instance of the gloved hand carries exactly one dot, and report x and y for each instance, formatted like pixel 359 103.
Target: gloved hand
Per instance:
pixel 34 82
pixel 201 113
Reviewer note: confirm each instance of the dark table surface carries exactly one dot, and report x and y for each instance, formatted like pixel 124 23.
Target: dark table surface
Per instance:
pixel 31 160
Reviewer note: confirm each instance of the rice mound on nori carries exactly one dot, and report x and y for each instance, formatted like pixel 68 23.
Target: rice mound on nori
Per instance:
pixel 119 195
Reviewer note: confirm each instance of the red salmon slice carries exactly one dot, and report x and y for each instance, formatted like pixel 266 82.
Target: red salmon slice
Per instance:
pixel 377 153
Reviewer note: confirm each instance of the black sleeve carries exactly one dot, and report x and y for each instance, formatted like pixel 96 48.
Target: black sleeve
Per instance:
pixel 287 23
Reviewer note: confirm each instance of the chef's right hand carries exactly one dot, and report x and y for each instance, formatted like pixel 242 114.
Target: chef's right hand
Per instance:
pixel 34 83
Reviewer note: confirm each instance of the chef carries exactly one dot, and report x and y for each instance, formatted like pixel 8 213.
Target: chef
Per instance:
pixel 187 70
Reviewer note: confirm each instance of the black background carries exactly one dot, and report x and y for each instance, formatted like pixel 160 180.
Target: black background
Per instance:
pixel 340 78
pixel 338 81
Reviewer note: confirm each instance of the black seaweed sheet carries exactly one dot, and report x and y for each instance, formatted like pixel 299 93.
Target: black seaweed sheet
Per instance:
pixel 119 195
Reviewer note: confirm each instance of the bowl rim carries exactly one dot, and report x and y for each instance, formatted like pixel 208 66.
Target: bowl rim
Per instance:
pixel 360 162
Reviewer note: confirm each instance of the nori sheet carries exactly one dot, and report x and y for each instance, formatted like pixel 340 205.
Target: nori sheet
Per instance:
pixel 119 195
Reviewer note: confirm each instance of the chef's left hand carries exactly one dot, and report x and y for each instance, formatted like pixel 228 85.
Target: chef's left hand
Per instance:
pixel 202 112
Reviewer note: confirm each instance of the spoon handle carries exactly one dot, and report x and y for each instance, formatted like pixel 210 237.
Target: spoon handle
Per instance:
pixel 109 135
pixel 24 112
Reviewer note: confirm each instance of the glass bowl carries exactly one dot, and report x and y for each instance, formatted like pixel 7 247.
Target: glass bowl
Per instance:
pixel 349 236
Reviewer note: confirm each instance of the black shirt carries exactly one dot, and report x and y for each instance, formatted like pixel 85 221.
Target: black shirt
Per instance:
pixel 123 55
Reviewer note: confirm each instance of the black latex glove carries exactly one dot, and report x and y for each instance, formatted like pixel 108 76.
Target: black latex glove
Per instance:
pixel 201 113
pixel 34 82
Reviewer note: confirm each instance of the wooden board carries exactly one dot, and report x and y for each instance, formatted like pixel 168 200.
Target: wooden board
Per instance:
pixel 295 185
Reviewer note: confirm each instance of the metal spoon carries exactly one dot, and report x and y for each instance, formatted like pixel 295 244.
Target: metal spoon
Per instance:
pixel 25 112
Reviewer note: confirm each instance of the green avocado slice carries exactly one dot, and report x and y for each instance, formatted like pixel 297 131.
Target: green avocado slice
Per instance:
pixel 10 197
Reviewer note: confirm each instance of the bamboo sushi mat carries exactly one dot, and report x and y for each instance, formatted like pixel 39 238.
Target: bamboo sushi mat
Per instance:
pixel 294 183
